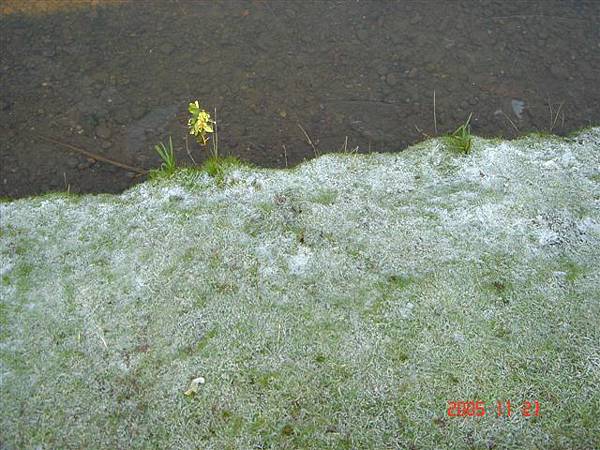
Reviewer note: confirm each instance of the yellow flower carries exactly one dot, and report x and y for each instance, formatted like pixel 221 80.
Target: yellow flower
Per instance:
pixel 200 123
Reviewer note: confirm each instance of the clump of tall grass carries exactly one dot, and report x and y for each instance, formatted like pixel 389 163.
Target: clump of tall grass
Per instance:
pixel 167 155
pixel 461 140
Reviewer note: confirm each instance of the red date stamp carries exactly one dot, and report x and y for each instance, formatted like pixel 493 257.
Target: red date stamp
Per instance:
pixel 477 408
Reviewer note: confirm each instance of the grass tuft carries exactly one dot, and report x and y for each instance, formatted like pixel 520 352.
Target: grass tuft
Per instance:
pixel 167 155
pixel 217 166
pixel 461 140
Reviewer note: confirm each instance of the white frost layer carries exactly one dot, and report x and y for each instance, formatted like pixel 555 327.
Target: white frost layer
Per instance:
pixel 110 280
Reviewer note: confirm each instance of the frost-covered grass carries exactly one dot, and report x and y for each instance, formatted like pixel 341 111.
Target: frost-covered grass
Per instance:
pixel 341 304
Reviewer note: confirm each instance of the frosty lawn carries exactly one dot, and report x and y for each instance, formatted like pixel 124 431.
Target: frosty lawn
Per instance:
pixel 341 304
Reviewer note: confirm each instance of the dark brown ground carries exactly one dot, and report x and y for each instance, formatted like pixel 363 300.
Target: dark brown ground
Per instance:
pixel 115 79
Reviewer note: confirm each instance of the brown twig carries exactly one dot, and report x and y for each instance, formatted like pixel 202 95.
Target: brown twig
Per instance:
pixel 187 149
pixel 422 132
pixel 67 185
pixel 216 138
pixel 511 122
pixel 94 155
pixel 530 16
pixel 556 116
pixel 309 140
pixel 285 155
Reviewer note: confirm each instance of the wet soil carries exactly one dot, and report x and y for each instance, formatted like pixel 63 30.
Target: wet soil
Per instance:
pixel 116 78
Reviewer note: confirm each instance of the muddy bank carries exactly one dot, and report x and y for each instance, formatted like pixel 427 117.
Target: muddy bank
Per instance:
pixel 115 78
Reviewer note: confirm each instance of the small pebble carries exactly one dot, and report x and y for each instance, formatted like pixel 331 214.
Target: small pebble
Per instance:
pixel 392 79
pixel 103 132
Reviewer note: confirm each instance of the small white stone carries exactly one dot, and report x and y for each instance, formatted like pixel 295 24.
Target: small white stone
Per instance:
pixel 194 384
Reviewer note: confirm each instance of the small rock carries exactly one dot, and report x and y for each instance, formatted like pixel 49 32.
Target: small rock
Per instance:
pixel 382 69
pixel 430 67
pixel 166 49
pixel 559 71
pixel 567 159
pixel 137 112
pixel 72 162
pixel 106 144
pixel 121 116
pixel 392 79
pixel 406 311
pixel 362 34
pixel 194 385
pixel 459 338
pixel 397 39
pixel 415 20
pixel 103 131
pixel 518 106
pixel 449 43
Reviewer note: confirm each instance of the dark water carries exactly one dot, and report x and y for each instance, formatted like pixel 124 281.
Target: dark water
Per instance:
pixel 116 79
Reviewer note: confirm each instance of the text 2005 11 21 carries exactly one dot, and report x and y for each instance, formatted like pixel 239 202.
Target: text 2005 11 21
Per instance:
pixel 477 408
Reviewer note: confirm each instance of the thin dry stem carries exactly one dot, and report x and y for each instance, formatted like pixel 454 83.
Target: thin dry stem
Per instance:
pixel 434 115
pixel 422 132
pixel 216 138
pixel 67 185
pixel 94 155
pixel 531 16
pixel 553 124
pixel 511 122
pixel 187 149
pixel 309 140
pixel 285 155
